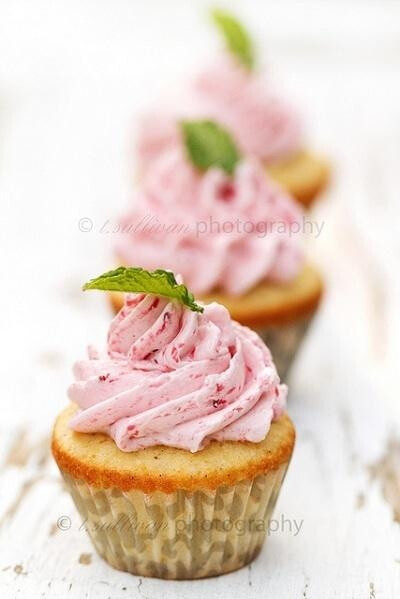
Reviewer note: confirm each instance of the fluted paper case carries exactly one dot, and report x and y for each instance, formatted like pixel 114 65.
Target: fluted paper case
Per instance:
pixel 181 535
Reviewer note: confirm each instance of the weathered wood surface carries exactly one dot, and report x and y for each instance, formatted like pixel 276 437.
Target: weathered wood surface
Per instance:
pixel 71 75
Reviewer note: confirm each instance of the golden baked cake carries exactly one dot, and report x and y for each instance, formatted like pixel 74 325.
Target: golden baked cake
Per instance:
pixel 304 175
pixel 95 459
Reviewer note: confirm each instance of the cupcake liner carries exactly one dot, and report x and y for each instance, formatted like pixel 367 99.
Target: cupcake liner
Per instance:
pixel 181 535
pixel 284 342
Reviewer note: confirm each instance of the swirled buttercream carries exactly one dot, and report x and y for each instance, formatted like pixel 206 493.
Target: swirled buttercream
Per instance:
pixel 175 377
pixel 219 232
pixel 262 124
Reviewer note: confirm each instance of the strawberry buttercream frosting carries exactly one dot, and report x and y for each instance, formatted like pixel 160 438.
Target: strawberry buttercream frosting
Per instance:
pixel 219 231
pixel 262 124
pixel 175 377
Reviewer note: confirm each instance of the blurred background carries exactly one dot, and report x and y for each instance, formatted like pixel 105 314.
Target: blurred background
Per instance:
pixel 73 75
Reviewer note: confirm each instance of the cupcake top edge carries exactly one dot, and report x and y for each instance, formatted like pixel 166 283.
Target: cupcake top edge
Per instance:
pixel 175 373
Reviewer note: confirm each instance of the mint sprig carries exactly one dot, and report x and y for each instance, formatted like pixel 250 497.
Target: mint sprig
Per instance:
pixel 139 280
pixel 209 144
pixel 237 39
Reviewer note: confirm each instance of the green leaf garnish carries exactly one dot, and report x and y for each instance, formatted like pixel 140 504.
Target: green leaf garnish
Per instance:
pixel 236 37
pixel 139 280
pixel 209 144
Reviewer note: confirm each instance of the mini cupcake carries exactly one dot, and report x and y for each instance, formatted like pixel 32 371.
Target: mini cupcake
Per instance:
pixel 176 442
pixel 217 219
pixel 232 92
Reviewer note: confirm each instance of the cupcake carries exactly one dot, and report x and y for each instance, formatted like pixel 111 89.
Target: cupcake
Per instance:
pixel 212 215
pixel 233 92
pixel 176 441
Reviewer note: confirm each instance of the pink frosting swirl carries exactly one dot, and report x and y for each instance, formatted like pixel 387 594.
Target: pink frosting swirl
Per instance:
pixel 262 124
pixel 178 378
pixel 217 231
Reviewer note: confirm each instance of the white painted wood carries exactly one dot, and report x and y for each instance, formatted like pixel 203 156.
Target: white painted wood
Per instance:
pixel 71 77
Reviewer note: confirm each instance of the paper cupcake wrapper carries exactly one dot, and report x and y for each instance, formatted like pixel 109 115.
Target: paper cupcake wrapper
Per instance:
pixel 181 535
pixel 284 342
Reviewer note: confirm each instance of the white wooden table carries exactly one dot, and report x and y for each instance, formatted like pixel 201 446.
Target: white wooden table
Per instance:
pixel 71 77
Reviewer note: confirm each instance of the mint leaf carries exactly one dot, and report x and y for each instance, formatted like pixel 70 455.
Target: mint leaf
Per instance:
pixel 138 280
pixel 236 37
pixel 208 144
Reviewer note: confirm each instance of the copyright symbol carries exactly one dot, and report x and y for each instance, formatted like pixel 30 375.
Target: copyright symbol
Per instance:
pixel 64 523
pixel 85 224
